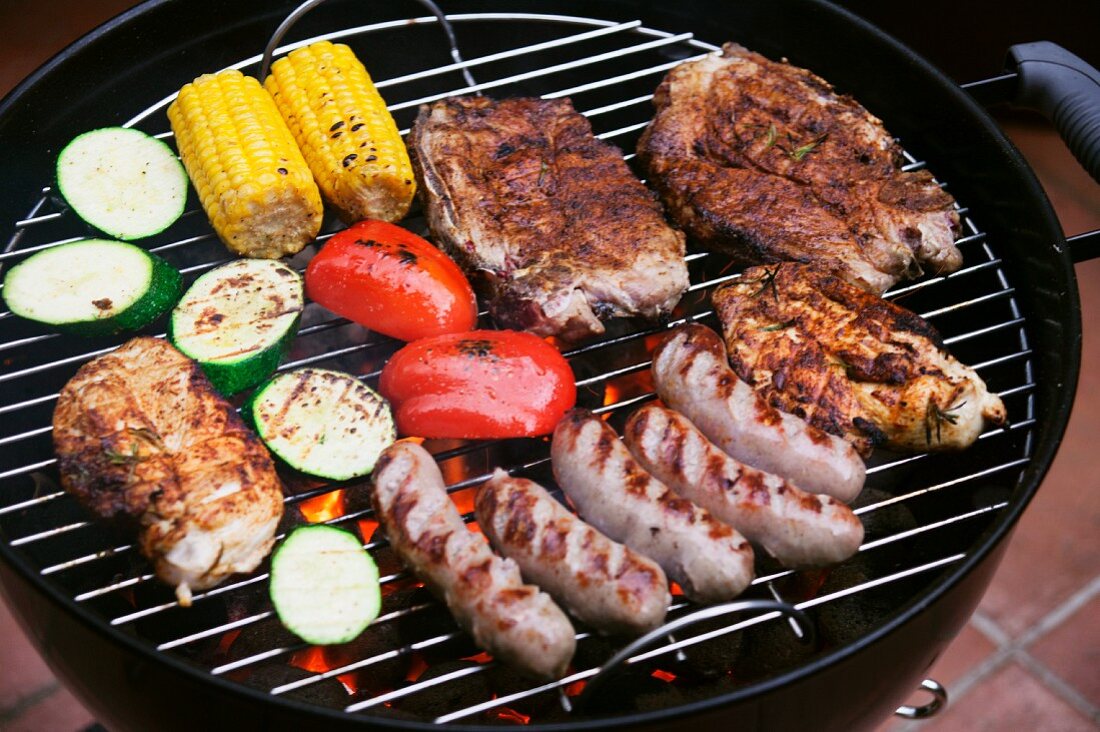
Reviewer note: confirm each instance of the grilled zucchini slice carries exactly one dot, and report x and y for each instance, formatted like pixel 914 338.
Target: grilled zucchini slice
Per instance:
pixel 93 287
pixel 122 181
pixel 238 321
pixel 321 422
pixel 324 585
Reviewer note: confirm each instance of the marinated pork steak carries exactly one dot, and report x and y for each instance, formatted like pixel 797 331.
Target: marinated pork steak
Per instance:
pixel 141 436
pixel 765 162
pixel 850 362
pixel 521 192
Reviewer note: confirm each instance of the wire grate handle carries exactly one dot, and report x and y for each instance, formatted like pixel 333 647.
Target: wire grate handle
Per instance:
pixel 624 657
pixel 301 10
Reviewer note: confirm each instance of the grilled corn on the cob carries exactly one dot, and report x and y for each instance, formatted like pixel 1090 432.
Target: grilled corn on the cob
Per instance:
pixel 253 182
pixel 345 131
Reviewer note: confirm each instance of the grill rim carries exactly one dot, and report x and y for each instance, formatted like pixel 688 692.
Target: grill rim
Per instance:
pixel 1048 435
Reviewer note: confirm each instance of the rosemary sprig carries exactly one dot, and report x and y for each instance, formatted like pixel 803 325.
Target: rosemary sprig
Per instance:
pixel 800 152
pixel 543 167
pixel 121 458
pixel 935 418
pixel 770 139
pixel 778 326
pixel 768 283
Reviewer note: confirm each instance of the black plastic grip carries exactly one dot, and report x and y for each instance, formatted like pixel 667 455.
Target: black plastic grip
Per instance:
pixel 1065 89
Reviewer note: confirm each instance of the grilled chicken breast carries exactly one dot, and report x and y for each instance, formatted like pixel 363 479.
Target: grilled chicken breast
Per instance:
pixel 141 436
pixel 850 362
pixel 521 192
pixel 765 162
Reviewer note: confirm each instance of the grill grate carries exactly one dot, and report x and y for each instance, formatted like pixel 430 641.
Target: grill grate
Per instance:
pixel 922 512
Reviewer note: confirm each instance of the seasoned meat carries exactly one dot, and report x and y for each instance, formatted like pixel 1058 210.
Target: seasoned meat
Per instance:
pixel 515 622
pixel 799 529
pixel 850 362
pixel 709 559
pixel 692 376
pixel 522 193
pixel 603 583
pixel 142 437
pixel 765 162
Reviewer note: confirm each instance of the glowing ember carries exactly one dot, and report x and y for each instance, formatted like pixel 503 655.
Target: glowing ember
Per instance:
pixel 511 715
pixel 225 642
pixel 575 688
pixel 315 659
pixel 367 527
pixel 628 387
pixel 417 666
pixel 664 675
pixel 675 589
pixel 324 507
pixel 481 657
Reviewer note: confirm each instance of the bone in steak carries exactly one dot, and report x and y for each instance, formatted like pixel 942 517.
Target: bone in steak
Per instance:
pixel 521 192
pixel 765 162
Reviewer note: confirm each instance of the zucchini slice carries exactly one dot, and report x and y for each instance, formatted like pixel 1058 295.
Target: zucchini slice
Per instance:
pixel 324 585
pixel 92 287
pixel 321 422
pixel 122 181
pixel 238 321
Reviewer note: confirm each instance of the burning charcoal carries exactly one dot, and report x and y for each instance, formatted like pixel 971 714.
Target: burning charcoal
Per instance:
pixel 328 693
pixel 770 648
pixel 448 696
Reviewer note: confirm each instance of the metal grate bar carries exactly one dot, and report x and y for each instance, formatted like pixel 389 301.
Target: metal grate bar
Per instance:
pixel 544 71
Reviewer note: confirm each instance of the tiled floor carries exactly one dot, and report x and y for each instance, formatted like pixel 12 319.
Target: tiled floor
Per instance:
pixel 1030 657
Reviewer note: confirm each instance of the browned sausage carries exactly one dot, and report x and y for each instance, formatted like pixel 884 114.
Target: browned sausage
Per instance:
pixel 693 377
pixel 611 491
pixel 600 581
pixel 797 528
pixel 515 622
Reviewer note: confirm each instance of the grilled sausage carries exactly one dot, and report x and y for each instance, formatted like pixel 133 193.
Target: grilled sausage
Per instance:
pixel 693 377
pixel 515 622
pixel 601 582
pixel 142 438
pixel 709 559
pixel 799 529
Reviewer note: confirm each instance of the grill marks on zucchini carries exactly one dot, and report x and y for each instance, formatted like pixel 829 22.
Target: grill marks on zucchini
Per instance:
pixel 238 321
pixel 93 287
pixel 321 422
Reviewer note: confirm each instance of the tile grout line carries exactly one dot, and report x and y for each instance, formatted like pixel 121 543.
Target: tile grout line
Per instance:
pixel 1058 685
pixel 1008 650
pixel 24 703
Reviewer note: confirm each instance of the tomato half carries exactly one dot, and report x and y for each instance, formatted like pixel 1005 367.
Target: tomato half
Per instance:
pixel 390 280
pixel 484 384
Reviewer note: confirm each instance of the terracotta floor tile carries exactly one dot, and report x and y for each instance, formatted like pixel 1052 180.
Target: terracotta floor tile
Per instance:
pixel 969 649
pixel 59 712
pixel 22 671
pixel 1072 651
pixel 1056 547
pixel 1009 700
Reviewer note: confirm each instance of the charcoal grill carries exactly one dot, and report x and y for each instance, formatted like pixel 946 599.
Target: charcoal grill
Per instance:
pixel 936 525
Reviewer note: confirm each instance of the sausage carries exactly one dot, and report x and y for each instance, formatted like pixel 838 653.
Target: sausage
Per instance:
pixel 709 560
pixel 799 529
pixel 601 582
pixel 693 377
pixel 514 621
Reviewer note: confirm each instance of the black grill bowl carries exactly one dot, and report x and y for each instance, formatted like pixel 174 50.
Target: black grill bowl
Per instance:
pixel 856 675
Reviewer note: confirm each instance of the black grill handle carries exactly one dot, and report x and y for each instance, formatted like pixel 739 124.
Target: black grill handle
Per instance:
pixel 1066 90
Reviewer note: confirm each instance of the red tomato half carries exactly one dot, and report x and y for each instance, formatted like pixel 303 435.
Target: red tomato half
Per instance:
pixel 390 280
pixel 479 385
